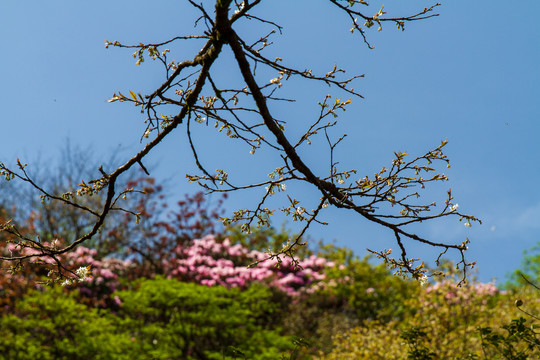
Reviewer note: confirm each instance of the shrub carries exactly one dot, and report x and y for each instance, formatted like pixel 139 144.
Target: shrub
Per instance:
pixel 352 292
pixel 210 262
pixel 52 325
pixel 98 289
pixel 450 318
pixel 173 320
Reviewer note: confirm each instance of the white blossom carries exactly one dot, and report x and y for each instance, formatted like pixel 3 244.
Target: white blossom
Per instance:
pixel 277 81
pixel 467 224
pixel 83 273
pixel 454 207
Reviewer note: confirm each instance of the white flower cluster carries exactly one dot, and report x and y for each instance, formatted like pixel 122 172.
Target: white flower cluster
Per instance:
pixel 83 273
pixel 277 81
pixel 270 188
pixel 454 207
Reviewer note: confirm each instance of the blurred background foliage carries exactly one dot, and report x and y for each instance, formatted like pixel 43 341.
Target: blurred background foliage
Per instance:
pixel 177 286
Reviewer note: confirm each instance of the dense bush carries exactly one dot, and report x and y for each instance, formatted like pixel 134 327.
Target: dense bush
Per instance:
pixel 354 310
pixel 446 323
pixel 52 325
pixel 174 320
pixel 210 262
pixel 161 319
pixel 177 288
pixel 370 291
pixel 529 271
pixel 351 293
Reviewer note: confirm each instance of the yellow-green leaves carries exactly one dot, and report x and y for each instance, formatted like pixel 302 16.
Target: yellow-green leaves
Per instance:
pixel 379 13
pixel 137 99
pixel 114 43
pixel 21 165
pixel 6 173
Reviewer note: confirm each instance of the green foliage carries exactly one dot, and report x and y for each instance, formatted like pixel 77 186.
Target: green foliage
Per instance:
pixel 174 320
pixel 530 268
pixel 448 321
pixel 358 311
pixel 355 310
pixel 354 291
pixel 520 341
pixel 52 325
pixel 370 291
pixel 415 339
pixel 161 319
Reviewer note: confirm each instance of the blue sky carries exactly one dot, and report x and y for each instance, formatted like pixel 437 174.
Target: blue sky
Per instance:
pixel 469 76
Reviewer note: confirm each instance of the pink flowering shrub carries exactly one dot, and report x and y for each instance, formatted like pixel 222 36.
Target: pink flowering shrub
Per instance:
pixel 96 279
pixel 205 261
pixel 17 278
pixel 209 262
pixel 102 279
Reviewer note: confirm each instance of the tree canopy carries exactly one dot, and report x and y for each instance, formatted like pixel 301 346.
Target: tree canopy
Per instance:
pixel 193 94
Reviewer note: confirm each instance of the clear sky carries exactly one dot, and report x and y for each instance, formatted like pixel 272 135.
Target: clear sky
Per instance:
pixel 469 76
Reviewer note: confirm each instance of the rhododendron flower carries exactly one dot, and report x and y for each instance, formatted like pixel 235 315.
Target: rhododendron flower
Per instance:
pixel 209 262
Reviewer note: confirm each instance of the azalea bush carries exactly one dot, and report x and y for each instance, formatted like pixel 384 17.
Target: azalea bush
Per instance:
pixel 97 279
pixel 210 262
pixel 205 261
pixel 163 226
pixel 15 278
